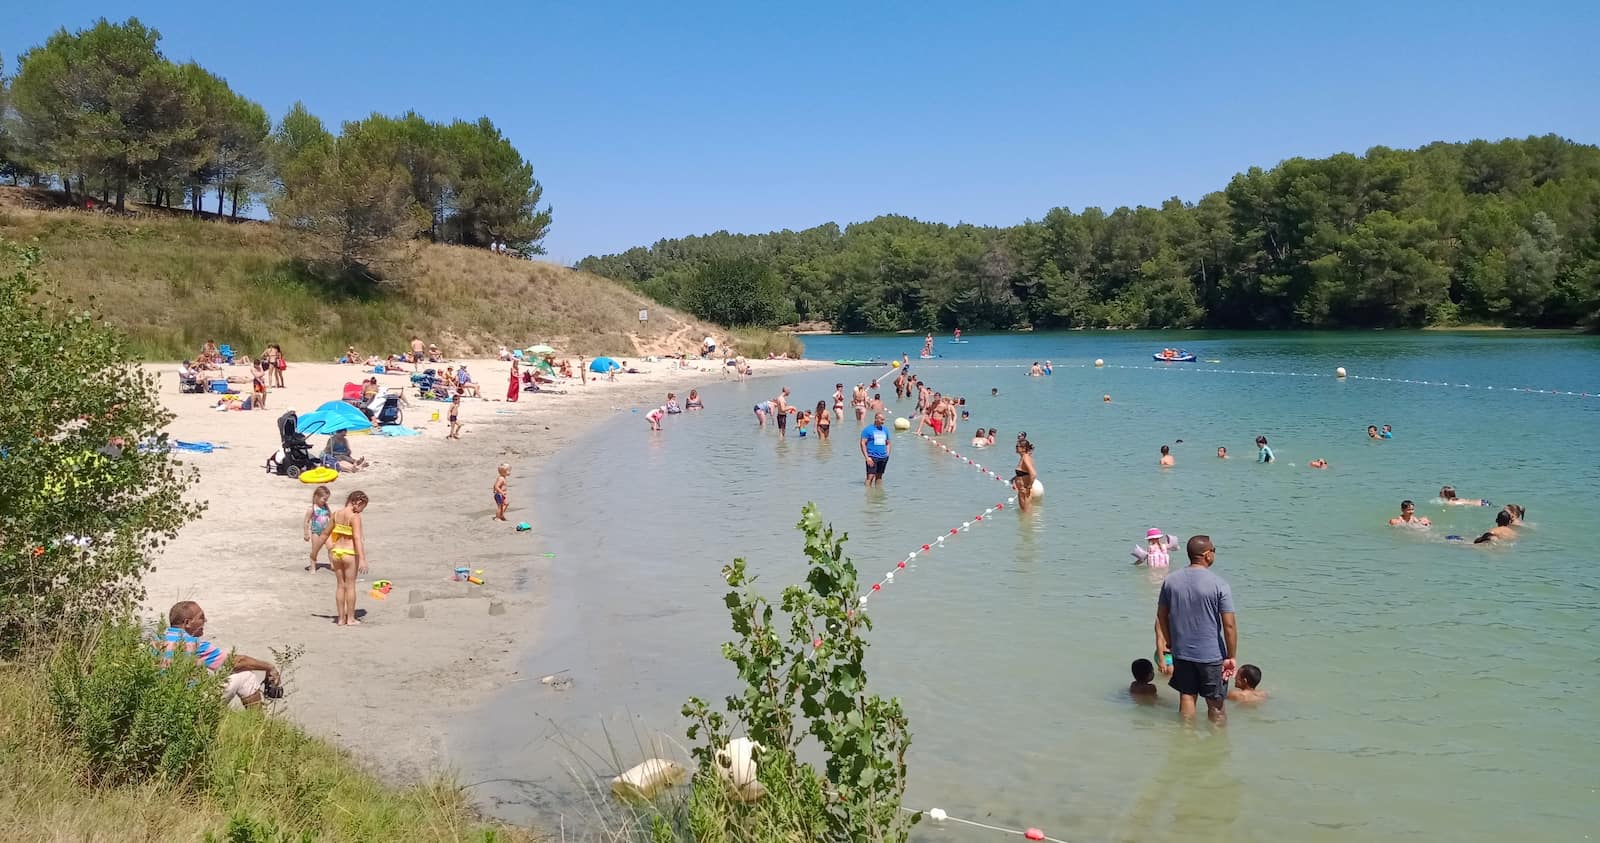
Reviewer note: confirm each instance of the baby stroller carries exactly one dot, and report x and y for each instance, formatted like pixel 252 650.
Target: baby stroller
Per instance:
pixel 294 455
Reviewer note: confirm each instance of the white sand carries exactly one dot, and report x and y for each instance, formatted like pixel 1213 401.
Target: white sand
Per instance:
pixel 384 689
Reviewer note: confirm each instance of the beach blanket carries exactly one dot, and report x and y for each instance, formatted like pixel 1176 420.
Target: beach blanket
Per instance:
pixel 398 430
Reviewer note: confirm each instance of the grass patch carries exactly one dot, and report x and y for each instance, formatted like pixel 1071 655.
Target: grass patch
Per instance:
pixel 265 781
pixel 758 343
pixel 171 283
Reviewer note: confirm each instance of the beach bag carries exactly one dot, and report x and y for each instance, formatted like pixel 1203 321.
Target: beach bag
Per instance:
pixel 282 364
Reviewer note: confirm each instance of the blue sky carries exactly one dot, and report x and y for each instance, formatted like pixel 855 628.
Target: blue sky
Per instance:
pixel 655 120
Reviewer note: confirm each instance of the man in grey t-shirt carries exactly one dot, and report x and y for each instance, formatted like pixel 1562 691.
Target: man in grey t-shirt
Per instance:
pixel 1196 638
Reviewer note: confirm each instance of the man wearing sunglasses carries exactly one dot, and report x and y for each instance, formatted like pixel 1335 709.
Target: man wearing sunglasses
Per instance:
pixel 1196 637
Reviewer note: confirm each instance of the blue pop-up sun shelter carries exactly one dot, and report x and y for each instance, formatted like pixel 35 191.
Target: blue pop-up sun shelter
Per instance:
pixel 333 417
pixel 603 365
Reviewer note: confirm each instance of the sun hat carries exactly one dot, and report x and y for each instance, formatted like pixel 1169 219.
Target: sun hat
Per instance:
pixel 1153 533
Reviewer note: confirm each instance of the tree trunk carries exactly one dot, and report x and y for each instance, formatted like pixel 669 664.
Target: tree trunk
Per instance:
pixel 219 200
pixel 236 202
pixel 66 188
pixel 122 194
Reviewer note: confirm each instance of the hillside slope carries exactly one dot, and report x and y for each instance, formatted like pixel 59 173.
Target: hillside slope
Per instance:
pixel 172 283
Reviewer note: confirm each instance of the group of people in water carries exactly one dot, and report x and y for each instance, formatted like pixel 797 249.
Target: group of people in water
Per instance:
pixel 1506 521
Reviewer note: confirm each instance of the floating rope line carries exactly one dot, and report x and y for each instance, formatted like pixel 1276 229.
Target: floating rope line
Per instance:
pixel 932 545
pixel 958 455
pixel 938 816
pixel 1212 370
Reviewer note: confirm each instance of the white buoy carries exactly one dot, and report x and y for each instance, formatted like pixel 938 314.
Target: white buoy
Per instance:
pixel 1038 488
pixel 938 815
pixel 902 424
pixel 736 765
pixel 1339 372
pixel 1099 364
pixel 645 780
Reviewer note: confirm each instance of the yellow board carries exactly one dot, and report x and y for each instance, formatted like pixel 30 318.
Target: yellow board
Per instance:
pixel 319 475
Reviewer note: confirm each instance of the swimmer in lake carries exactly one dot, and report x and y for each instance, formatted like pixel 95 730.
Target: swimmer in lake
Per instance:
pixel 1247 686
pixel 1517 514
pixel 1222 453
pixel 994 392
pixel 1105 399
pixel 1263 452
pixel 1034 371
pixel 990 437
pixel 1408 517
pixel 1143 686
pixel 1318 463
pixel 979 440
pixel 1022 481
pixel 1501 531
pixel 1372 431
pixel 1166 457
pixel 1387 433
pixel 1447 494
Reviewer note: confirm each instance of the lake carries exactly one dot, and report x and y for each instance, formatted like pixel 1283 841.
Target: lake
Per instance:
pixel 1419 688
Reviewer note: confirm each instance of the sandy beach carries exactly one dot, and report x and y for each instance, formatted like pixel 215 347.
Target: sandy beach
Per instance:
pixel 386 689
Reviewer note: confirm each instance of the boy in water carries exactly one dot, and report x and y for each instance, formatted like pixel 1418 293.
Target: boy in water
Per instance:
pixel 1166 457
pixel 1143 685
pixel 1388 433
pixel 501 500
pixel 1247 686
pixel 1408 517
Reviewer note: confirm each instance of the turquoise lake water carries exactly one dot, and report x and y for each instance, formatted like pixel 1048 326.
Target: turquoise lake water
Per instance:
pixel 1420 689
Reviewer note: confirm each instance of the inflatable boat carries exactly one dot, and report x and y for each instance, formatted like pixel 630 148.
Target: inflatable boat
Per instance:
pixel 1182 357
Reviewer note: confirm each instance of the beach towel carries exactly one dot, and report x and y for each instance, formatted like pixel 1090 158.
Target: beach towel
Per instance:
pixel 398 430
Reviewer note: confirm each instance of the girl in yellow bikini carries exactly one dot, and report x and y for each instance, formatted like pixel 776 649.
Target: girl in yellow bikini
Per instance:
pixel 349 555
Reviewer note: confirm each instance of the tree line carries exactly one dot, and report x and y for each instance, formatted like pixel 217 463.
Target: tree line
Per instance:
pixel 101 114
pixel 1500 233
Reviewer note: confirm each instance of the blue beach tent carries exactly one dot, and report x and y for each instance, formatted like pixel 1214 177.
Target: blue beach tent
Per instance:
pixel 603 365
pixel 333 417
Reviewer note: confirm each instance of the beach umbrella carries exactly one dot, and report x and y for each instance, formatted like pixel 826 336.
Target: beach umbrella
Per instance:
pixel 541 348
pixel 333 417
pixel 603 365
pixel 542 365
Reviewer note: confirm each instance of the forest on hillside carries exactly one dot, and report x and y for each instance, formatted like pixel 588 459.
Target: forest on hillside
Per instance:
pixel 1491 233
pixel 103 116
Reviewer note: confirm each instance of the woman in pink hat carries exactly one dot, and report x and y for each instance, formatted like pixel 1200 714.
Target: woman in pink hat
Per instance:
pixel 1155 553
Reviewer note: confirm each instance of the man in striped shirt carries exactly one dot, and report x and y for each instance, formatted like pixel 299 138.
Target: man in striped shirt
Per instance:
pixel 186 622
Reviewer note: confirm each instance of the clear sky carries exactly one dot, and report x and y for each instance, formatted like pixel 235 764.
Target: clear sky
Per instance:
pixel 660 119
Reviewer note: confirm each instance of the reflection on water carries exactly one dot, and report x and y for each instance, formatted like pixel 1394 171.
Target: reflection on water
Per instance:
pixel 1420 688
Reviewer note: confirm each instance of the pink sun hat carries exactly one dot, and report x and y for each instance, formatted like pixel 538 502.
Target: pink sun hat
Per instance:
pixel 1153 533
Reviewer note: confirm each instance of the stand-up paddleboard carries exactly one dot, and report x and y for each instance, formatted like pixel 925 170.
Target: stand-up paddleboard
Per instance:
pixel 860 362
pixel 957 342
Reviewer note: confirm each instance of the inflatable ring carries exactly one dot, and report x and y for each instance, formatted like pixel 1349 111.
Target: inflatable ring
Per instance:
pixel 319 475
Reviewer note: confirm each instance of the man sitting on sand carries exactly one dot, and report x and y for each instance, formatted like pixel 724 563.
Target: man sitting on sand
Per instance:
pixel 186 622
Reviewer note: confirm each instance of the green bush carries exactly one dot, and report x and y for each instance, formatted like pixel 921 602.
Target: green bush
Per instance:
pixel 83 508
pixel 131 719
pixel 803 681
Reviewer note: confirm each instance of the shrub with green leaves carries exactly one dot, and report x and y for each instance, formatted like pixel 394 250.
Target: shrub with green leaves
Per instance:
pixel 803 680
pixel 88 490
pixel 132 719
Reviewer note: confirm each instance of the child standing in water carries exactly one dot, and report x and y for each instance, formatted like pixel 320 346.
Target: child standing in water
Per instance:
pixel 1142 685
pixel 1264 454
pixel 1157 549
pixel 1247 686
pixel 501 500
pixel 316 524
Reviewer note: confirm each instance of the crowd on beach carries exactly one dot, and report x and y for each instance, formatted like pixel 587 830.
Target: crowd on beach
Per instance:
pixel 333 530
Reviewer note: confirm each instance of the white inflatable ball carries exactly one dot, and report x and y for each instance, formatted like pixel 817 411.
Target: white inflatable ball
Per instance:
pixel 1339 372
pixel 902 424
pixel 1038 488
pixel 1098 363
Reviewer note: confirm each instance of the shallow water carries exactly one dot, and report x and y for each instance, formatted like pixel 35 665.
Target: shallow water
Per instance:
pixel 1420 689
